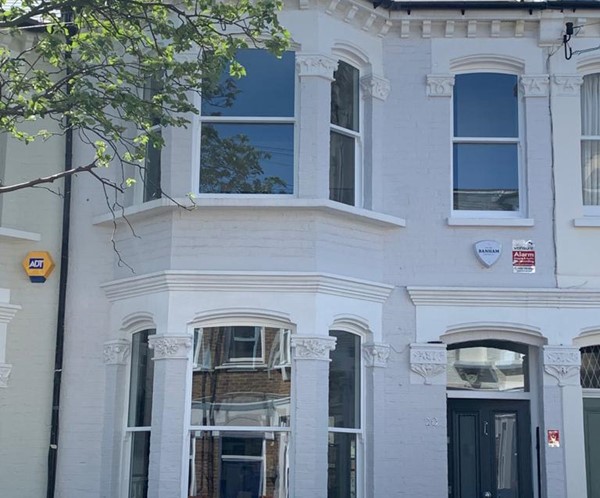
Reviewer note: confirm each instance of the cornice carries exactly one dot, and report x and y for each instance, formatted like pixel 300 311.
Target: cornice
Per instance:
pixel 500 297
pixel 563 363
pixel 116 352
pixel 312 348
pixel 440 85
pixel 170 347
pixel 376 354
pixel 429 362
pixel 376 87
pixel 198 281
pixel 317 65
pixel 535 85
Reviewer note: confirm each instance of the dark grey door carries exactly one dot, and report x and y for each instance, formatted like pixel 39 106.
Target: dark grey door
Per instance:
pixel 489 449
pixel 591 425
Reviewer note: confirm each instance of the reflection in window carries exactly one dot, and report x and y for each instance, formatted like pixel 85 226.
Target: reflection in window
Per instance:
pixel 247 144
pixel 241 388
pixel 590 367
pixel 140 412
pixel 344 134
pixel 344 415
pixel 487 366
pixel 152 163
pixel 486 142
pixel 590 141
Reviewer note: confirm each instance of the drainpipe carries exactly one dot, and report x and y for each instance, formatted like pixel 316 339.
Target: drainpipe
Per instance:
pixel 62 287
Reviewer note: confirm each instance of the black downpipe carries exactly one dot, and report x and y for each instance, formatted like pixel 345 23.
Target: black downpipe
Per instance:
pixel 62 288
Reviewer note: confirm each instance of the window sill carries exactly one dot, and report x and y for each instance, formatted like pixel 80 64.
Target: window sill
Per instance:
pixel 321 205
pixel 11 233
pixel 490 222
pixel 587 222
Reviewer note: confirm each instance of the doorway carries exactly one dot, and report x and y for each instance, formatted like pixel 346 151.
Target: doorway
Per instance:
pixel 489 449
pixel 591 427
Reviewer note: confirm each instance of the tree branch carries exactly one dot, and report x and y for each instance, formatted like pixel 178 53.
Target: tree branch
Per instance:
pixel 47 179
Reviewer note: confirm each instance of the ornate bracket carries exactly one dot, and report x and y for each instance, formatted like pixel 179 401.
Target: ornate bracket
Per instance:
pixel 316 65
pixel 376 355
pixel 116 352
pixel 535 85
pixel 563 363
pixel 170 347
pixel 373 86
pixel 5 369
pixel 429 361
pixel 567 84
pixel 312 348
pixel 440 85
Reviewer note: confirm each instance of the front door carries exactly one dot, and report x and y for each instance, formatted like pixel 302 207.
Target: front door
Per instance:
pixel 591 424
pixel 489 449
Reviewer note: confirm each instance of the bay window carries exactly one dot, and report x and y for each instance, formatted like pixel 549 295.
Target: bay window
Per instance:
pixel 240 412
pixel 247 132
pixel 486 143
pixel 344 134
pixel 140 413
pixel 590 139
pixel 344 416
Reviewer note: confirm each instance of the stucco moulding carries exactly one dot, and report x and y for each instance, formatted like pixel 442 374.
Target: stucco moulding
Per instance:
pixel 116 352
pixel 429 361
pixel 501 297
pixel 373 86
pixel 563 363
pixel 312 348
pixel 316 65
pixel 181 281
pixel 535 85
pixel 5 369
pixel 376 355
pixel 170 347
pixel 567 84
pixel 440 85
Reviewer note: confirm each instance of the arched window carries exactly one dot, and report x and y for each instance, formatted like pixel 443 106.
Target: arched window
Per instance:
pixel 240 411
pixel 139 417
pixel 345 423
pixel 488 366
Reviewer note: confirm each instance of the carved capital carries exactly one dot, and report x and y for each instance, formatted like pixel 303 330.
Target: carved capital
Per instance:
pixel 563 363
pixel 535 85
pixel 373 86
pixel 170 347
pixel 567 84
pixel 5 369
pixel 312 348
pixel 316 65
pixel 116 352
pixel 440 85
pixel 429 362
pixel 376 355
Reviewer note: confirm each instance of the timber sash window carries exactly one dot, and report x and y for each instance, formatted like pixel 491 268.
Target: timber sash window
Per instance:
pixel 486 143
pixel 590 140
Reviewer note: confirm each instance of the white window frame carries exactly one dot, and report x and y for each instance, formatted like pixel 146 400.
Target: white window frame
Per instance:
pixel 245 360
pixel 359 431
pixel 197 170
pixel 519 141
pixel 356 135
pixel 588 209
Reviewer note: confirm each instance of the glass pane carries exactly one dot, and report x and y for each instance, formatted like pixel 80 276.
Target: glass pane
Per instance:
pixel 142 376
pixel 344 381
pixel 590 367
pixel 341 168
pixel 507 455
pixel 247 158
pixel 341 468
pixel 140 456
pixel 590 172
pixel 590 105
pixel 486 177
pixel 344 97
pixel 467 464
pixel 239 465
pixel 152 173
pixel 267 90
pixel 486 368
pixel 229 389
pixel 485 105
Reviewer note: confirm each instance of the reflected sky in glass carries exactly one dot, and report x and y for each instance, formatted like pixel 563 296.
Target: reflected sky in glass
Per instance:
pixel 485 105
pixel 485 166
pixel 276 141
pixel 267 90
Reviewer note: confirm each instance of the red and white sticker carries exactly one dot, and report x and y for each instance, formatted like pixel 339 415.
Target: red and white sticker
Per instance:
pixel 523 256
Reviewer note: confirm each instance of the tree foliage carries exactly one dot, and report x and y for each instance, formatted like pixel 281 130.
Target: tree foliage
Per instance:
pixel 86 64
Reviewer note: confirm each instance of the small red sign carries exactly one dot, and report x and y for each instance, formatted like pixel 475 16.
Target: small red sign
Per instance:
pixel 523 256
pixel 554 438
